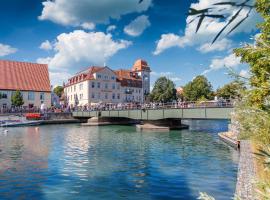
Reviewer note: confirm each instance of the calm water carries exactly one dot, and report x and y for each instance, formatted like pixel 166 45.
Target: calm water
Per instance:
pixel 116 162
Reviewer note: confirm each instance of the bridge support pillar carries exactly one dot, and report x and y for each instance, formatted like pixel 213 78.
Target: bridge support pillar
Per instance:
pixel 102 121
pixel 161 125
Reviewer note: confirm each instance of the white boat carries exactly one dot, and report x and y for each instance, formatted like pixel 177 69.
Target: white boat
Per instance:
pixel 13 123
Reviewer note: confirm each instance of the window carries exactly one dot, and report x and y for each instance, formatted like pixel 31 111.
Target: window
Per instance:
pixel 113 86
pixel 106 85
pixel 70 89
pixel 106 96
pixel 81 96
pixel 93 84
pixel 113 96
pixel 74 88
pixel 118 86
pixel 98 85
pixel 31 96
pixel 106 77
pixel 42 96
pixel 99 76
pixel 118 96
pixel 98 95
pixel 113 77
pixel 4 95
pixel 70 97
pixel 93 95
pixel 81 86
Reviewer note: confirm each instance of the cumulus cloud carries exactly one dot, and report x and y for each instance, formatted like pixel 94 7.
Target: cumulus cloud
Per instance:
pixel 209 28
pixel 221 45
pixel 167 41
pixel 6 50
pixel 78 12
pixel 230 61
pixel 137 26
pixel 57 78
pixel 170 75
pixel 44 60
pixel 46 45
pixel 88 25
pixel 110 28
pixel 79 48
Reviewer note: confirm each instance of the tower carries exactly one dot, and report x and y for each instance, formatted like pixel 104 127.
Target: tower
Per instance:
pixel 143 70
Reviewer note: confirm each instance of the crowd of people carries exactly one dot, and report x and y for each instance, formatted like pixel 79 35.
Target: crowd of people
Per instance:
pixel 119 106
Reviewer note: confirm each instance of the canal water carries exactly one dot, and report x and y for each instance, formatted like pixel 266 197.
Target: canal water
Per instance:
pixel 116 162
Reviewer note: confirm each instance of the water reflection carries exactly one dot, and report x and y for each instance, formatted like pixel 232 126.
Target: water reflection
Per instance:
pixel 115 162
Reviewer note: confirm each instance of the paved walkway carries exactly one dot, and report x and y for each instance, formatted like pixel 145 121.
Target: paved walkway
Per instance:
pixel 246 173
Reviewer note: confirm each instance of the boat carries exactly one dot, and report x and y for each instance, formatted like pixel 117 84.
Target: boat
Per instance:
pixel 15 123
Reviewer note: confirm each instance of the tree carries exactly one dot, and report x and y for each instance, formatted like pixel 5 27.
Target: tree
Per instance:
pixel 163 91
pixel 17 99
pixel 58 90
pixel 231 90
pixel 258 57
pixel 198 88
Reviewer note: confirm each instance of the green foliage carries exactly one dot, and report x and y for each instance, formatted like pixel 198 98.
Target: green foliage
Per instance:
pixel 198 88
pixel 231 90
pixel 163 91
pixel 58 90
pixel 254 123
pixel 17 99
pixel 258 57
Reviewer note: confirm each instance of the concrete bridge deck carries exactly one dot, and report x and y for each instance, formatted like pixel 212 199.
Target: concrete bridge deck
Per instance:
pixel 162 113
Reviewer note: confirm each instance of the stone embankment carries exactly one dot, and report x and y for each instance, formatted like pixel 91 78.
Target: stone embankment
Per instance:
pixel 246 173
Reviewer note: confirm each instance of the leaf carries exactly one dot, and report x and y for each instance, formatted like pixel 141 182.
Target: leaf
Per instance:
pixel 200 23
pixel 226 3
pixel 215 16
pixel 240 22
pixel 230 21
pixel 193 11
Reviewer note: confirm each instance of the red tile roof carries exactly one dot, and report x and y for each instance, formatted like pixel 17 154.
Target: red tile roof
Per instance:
pixel 24 76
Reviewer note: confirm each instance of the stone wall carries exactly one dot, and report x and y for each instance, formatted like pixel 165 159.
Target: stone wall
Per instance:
pixel 246 173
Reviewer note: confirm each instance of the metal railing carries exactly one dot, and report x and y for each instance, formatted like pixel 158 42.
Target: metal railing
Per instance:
pixel 156 106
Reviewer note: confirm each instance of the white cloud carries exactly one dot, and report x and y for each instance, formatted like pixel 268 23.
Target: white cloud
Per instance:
pixel 137 26
pixel 6 50
pixel 170 75
pixel 167 41
pixel 230 61
pixel 79 48
pixel 88 25
pixel 221 45
pixel 46 45
pixel 77 12
pixel 57 78
pixel 44 60
pixel 209 27
pixel 111 28
pixel 244 73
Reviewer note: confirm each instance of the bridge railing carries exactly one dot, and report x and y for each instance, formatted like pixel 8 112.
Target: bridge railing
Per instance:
pixel 155 106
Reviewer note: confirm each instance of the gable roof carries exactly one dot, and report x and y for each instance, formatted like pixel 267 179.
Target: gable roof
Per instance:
pixel 24 76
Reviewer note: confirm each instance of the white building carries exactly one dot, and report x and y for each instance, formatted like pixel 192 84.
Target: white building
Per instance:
pixel 104 85
pixel 31 79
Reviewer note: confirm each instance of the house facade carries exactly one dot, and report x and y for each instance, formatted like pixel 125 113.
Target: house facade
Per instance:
pixel 31 79
pixel 104 85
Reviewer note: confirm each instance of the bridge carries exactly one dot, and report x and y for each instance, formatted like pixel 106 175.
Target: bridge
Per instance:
pixel 161 113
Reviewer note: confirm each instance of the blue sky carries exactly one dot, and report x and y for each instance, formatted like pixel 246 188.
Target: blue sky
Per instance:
pixel 70 35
